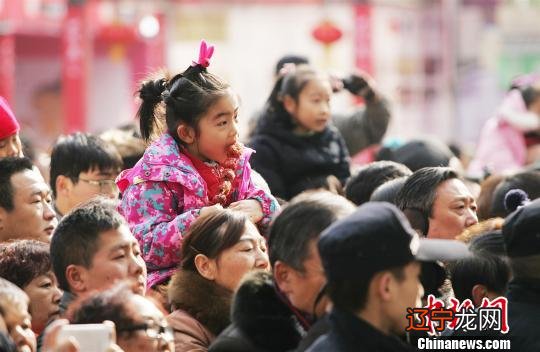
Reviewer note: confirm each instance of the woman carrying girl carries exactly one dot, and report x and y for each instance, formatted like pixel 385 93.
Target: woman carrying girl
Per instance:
pixel 297 147
pixel 196 165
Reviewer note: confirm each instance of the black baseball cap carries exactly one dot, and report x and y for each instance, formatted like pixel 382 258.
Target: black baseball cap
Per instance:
pixel 378 237
pixel 521 231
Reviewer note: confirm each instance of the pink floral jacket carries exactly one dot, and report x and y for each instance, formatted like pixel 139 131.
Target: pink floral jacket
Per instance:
pixel 501 146
pixel 163 194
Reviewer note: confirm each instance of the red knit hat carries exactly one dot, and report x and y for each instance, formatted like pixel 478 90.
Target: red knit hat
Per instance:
pixel 8 123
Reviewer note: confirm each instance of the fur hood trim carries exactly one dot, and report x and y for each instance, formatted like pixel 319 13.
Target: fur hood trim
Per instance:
pixel 204 300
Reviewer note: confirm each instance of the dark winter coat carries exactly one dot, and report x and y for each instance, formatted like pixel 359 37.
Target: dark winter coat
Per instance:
pixel 262 322
pixel 350 333
pixel 292 163
pixel 524 315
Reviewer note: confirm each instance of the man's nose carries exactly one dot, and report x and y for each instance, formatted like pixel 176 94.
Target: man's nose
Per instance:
pixel 471 218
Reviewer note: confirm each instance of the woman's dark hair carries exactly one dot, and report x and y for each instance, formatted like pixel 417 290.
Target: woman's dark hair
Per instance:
pixel 22 261
pixel 527 181
pixel 291 83
pixel 185 97
pixel 211 234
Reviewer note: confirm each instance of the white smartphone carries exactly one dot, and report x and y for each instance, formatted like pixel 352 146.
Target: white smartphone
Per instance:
pixel 91 337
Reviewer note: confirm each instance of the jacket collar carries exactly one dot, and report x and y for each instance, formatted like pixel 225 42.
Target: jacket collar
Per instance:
pixel 524 291
pixel 204 300
pixel 358 332
pixel 163 161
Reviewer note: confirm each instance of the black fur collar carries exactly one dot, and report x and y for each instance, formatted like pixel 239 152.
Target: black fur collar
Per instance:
pixel 204 300
pixel 263 317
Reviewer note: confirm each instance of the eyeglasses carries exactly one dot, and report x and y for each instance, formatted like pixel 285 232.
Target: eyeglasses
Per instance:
pixel 104 185
pixel 153 330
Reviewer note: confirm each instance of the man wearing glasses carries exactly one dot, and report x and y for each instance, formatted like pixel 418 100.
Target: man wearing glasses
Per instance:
pixel 82 166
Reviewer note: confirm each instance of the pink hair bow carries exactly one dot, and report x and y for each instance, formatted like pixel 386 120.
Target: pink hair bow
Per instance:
pixel 288 68
pixel 525 80
pixel 205 53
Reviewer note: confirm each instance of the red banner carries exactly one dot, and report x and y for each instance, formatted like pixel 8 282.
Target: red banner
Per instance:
pixel 362 38
pixel 7 66
pixel 75 60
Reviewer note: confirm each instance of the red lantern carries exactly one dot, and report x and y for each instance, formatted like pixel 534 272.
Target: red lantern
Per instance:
pixel 327 33
pixel 117 34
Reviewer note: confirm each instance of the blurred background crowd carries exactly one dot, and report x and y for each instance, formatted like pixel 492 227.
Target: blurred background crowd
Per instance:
pixel 443 64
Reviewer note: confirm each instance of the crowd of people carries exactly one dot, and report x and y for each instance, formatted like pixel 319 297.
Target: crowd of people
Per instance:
pixel 313 235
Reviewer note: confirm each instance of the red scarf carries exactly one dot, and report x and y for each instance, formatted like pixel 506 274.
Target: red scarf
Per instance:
pixel 216 175
pixel 211 174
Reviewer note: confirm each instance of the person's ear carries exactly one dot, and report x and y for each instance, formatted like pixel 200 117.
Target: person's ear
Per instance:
pixel 478 292
pixel 206 267
pixel 384 283
pixel 76 277
pixel 283 275
pixel 186 133
pixel 289 104
pixel 64 185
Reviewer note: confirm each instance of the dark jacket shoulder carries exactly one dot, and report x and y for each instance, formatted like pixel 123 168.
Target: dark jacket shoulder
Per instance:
pixel 350 333
pixel 261 321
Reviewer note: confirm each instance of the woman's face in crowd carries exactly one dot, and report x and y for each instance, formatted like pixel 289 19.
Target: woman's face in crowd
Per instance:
pixel 156 336
pixel 246 255
pixel 44 297
pixel 19 326
pixel 11 146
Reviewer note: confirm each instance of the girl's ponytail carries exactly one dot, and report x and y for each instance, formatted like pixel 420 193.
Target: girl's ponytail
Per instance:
pixel 151 95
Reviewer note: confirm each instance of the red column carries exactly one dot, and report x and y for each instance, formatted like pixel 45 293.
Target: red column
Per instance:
pixel 7 66
pixel 362 38
pixel 76 59
pixel 10 12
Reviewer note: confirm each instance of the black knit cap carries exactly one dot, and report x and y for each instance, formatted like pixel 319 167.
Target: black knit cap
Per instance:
pixel 521 231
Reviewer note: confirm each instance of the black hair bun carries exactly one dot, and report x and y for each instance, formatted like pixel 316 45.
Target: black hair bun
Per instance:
pixel 151 90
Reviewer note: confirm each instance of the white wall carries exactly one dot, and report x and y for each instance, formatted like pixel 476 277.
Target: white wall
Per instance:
pixel 254 39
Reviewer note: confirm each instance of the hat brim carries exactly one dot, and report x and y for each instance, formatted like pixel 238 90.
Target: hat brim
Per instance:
pixel 430 250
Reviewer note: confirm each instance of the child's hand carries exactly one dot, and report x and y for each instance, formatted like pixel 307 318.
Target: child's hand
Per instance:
pixel 210 209
pixel 251 207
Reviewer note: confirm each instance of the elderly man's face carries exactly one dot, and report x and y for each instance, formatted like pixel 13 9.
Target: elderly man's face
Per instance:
pixel 454 210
